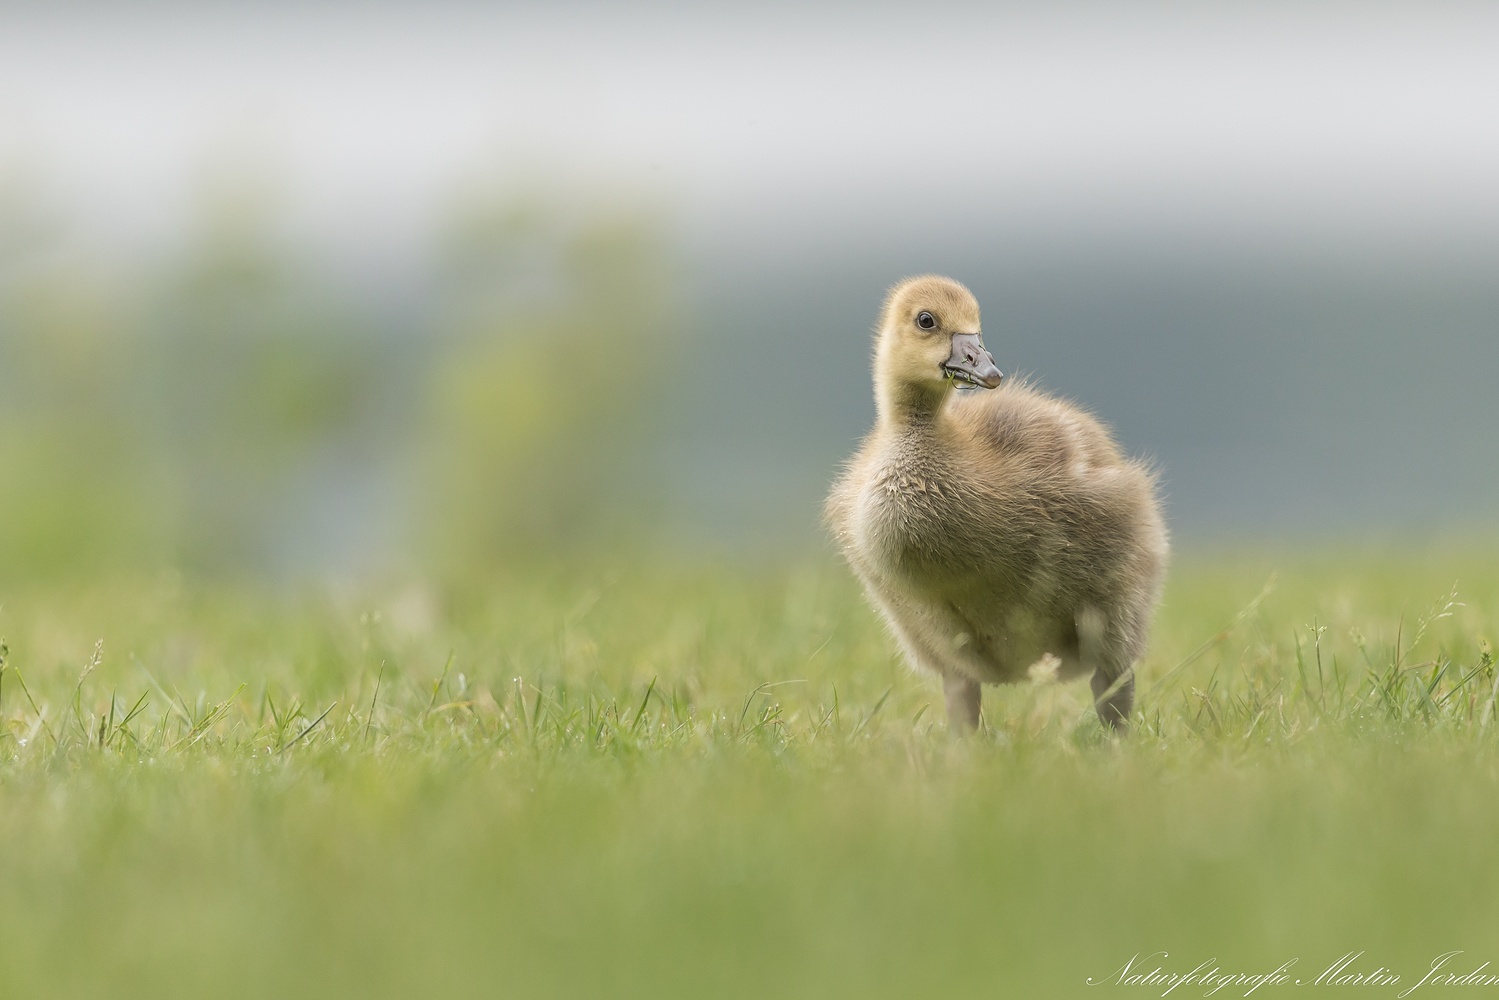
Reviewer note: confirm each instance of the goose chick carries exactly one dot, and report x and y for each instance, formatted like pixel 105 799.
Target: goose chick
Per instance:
pixel 994 529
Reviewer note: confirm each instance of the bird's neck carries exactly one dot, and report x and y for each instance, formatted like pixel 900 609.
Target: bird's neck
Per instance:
pixel 906 406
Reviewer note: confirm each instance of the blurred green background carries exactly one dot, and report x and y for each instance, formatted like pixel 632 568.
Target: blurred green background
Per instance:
pixel 438 288
pixel 222 410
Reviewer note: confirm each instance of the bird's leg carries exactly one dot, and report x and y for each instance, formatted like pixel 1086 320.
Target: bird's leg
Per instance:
pixel 1114 697
pixel 963 699
pixel 1113 682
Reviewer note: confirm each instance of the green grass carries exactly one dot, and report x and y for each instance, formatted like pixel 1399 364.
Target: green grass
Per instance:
pixel 685 781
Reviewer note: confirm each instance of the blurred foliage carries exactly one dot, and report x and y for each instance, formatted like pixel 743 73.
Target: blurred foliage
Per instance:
pixel 76 477
pixel 253 373
pixel 557 336
pixel 228 407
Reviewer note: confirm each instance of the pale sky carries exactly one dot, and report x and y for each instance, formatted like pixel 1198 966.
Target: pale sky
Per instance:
pixel 1376 120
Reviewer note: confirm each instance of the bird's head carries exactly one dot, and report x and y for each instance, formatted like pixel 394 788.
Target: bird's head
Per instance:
pixel 930 337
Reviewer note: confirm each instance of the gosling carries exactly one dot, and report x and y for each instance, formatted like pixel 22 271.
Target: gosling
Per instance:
pixel 995 528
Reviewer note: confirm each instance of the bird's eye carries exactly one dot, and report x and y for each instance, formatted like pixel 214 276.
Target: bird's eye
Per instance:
pixel 926 320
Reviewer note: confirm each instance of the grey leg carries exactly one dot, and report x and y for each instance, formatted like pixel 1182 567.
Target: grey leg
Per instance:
pixel 1113 683
pixel 1114 698
pixel 963 699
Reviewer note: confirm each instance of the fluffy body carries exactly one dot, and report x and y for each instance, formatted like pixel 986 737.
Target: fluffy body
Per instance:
pixel 991 528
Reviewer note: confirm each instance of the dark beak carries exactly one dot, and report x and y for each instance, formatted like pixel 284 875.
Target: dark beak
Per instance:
pixel 971 363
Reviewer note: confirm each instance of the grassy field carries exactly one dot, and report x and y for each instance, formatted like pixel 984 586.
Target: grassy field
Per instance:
pixel 687 781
